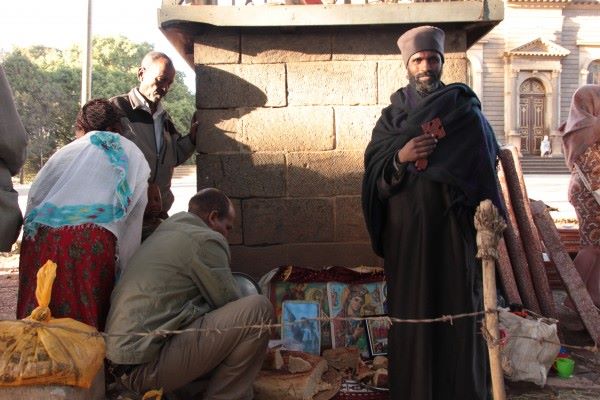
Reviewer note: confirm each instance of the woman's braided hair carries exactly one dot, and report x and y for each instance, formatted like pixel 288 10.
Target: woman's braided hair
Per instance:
pixel 97 115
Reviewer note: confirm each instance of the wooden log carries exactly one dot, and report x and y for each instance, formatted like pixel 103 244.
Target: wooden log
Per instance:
pixel 507 276
pixel 529 236
pixel 566 269
pixel 489 225
pixel 516 253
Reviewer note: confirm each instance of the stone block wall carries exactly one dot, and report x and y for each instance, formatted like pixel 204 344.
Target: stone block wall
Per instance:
pixel 285 117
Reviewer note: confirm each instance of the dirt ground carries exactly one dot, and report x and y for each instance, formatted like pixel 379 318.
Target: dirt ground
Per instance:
pixel 584 385
pixel 9 284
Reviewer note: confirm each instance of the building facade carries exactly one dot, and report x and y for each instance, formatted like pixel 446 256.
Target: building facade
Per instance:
pixel 527 68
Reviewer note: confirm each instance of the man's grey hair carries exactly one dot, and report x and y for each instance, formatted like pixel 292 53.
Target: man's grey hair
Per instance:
pixel 151 57
pixel 208 200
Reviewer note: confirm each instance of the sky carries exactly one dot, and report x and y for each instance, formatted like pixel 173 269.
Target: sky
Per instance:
pixel 62 23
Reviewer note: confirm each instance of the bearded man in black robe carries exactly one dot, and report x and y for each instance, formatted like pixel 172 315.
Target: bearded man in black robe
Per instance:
pixel 431 160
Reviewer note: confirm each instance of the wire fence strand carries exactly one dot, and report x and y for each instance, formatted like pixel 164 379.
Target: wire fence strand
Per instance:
pixel 267 326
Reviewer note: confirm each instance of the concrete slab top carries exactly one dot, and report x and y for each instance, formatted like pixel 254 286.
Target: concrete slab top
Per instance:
pixel 332 14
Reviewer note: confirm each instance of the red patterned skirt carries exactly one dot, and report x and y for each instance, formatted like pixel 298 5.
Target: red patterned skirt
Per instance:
pixel 85 274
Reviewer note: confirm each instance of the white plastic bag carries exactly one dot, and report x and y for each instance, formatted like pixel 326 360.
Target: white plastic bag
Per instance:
pixel 530 348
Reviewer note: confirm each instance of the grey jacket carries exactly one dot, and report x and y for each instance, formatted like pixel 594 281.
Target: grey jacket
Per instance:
pixel 180 273
pixel 138 126
pixel 13 142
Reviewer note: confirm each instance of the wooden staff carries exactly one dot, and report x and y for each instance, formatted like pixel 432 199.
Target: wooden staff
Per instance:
pixel 489 225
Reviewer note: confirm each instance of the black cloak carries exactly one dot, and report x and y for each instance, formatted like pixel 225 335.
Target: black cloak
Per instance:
pixel 465 158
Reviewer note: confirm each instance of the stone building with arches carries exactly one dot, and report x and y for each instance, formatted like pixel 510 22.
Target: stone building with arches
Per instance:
pixel 527 68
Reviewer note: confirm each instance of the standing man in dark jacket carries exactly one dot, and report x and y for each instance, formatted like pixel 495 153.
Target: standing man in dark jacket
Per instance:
pixel 431 160
pixel 149 126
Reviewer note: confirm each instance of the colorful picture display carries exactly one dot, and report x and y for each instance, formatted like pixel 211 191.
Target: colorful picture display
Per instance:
pixel 301 329
pixel 347 301
pixel 377 333
pixel 312 291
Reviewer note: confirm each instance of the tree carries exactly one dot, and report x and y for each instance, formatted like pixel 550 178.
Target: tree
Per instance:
pixel 115 61
pixel 43 100
pixel 46 83
pixel 180 104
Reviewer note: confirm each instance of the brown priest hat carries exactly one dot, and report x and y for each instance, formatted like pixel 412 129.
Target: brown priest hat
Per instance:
pixel 421 38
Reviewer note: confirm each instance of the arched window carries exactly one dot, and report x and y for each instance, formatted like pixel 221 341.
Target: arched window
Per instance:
pixel 594 72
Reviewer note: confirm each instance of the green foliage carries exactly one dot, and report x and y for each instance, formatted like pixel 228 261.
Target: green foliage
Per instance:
pixel 180 104
pixel 116 61
pixel 119 53
pixel 42 101
pixel 47 84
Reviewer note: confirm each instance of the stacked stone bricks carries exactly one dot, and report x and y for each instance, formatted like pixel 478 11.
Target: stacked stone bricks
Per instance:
pixel 285 118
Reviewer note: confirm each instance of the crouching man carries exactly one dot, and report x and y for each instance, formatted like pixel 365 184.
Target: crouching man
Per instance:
pixel 180 279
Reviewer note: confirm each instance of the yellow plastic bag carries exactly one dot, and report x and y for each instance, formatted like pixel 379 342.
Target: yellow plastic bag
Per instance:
pixel 40 350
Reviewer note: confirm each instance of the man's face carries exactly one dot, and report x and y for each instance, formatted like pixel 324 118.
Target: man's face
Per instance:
pixel 222 225
pixel 156 79
pixel 425 70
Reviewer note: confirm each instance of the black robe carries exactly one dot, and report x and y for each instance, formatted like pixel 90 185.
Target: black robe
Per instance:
pixel 421 223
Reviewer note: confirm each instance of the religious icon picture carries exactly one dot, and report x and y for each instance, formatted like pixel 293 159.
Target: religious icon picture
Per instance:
pixel 309 291
pixel 347 304
pixel 377 332
pixel 301 329
pixel 383 291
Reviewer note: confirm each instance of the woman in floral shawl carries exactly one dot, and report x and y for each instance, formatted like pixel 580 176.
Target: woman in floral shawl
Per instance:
pixel 581 140
pixel 84 212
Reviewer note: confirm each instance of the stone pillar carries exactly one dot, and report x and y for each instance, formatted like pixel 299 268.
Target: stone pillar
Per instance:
pixel 555 117
pixel 285 118
pixel 583 75
pixel 511 98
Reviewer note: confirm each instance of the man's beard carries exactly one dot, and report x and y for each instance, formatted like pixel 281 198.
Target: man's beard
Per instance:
pixel 426 87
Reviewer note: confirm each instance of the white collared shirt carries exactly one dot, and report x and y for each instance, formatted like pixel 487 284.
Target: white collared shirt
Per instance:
pixel 158 118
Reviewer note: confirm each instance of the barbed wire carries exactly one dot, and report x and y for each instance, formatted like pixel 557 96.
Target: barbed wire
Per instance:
pixel 262 326
pixel 268 326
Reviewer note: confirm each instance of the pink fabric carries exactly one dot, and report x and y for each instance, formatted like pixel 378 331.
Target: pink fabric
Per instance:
pixel 588 212
pixel 587 263
pixel 582 128
pixel 582 148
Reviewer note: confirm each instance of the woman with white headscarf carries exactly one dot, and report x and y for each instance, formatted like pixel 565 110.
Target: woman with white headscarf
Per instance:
pixel 84 212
